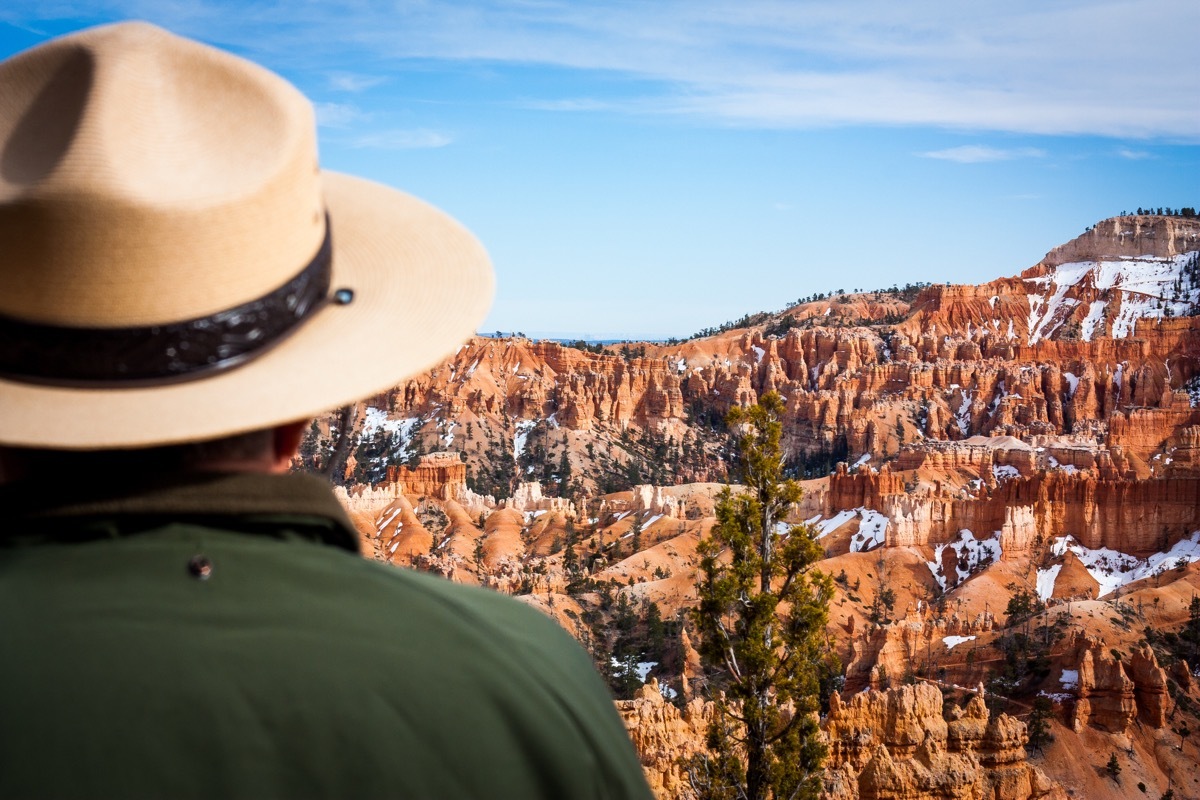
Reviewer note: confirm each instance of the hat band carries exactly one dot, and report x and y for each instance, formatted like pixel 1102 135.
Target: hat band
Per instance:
pixel 155 355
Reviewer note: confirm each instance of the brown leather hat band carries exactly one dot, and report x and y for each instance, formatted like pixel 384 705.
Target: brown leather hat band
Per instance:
pixel 161 354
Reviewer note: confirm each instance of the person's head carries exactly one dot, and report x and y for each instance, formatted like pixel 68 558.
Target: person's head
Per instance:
pixel 177 271
pixel 269 450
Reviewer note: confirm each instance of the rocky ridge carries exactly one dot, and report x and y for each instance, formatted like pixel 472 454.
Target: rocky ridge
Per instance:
pixel 899 743
pixel 1034 439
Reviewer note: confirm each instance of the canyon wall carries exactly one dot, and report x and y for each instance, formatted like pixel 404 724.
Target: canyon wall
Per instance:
pixel 1133 516
pixel 892 744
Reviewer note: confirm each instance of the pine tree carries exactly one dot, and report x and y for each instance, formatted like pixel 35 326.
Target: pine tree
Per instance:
pixel 1113 768
pixel 1039 723
pixel 761 622
pixel 635 533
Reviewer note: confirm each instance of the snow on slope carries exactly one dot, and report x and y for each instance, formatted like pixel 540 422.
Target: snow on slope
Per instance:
pixel 1045 581
pixel 872 531
pixel 521 436
pixel 872 527
pixel 1113 569
pixel 1146 286
pixel 399 431
pixel 972 553
pixel 827 526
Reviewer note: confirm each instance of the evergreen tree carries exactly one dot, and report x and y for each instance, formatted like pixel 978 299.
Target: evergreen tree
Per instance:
pixel 656 632
pixel 1039 723
pixel 564 475
pixel 761 621
pixel 1113 768
pixel 571 561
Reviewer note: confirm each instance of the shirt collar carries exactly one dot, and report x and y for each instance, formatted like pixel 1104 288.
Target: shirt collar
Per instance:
pixel 199 495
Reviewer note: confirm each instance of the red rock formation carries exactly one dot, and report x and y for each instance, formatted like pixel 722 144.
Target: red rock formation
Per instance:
pixel 440 475
pixel 897 744
pixel 960 364
pixel 893 744
pixel 1130 236
pixel 1133 516
pixel 1113 692
pixel 663 736
pixel 976 413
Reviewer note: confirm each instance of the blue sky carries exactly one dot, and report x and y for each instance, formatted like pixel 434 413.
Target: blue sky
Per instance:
pixel 647 169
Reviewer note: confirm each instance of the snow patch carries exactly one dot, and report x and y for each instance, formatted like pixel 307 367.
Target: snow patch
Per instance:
pixel 1045 581
pixel 954 641
pixel 963 416
pixel 379 526
pixel 1113 569
pixel 377 419
pixel 1070 469
pixel 872 531
pixel 1192 387
pixel 398 430
pixel 828 526
pixel 522 435
pixel 1005 471
pixel 971 554
pixel 641 669
pixel 1146 288
pixel 1094 317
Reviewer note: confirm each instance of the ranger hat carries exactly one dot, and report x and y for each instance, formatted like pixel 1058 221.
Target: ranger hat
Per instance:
pixel 174 265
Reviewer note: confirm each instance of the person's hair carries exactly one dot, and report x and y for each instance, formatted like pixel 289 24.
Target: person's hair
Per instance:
pixel 185 457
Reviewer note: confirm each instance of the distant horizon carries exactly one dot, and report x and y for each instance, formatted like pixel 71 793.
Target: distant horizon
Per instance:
pixel 610 337
pixel 568 338
pixel 663 168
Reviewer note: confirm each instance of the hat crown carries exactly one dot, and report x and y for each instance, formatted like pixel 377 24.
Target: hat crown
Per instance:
pixel 146 178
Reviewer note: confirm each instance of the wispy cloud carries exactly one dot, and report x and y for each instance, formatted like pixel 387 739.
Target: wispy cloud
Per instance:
pixel 27 28
pixel 339 115
pixel 350 82
pixel 1133 155
pixel 1114 69
pixel 980 154
pixel 416 139
pixel 570 104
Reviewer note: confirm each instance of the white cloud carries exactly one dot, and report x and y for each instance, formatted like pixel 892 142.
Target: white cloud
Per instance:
pixel 1133 155
pixel 349 82
pixel 570 104
pixel 402 139
pixel 338 115
pixel 978 154
pixel 1115 68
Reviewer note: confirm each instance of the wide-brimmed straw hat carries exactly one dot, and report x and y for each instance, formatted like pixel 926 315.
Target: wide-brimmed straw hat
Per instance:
pixel 174 265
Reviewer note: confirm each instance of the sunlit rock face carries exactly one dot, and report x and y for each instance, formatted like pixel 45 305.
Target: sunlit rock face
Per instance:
pixel 1033 439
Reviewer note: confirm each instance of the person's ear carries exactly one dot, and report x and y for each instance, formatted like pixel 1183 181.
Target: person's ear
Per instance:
pixel 287 443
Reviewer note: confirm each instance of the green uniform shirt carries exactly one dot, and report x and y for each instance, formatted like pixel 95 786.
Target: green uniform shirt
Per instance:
pixel 220 636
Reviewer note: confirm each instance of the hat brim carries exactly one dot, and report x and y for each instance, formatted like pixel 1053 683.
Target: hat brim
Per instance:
pixel 421 282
